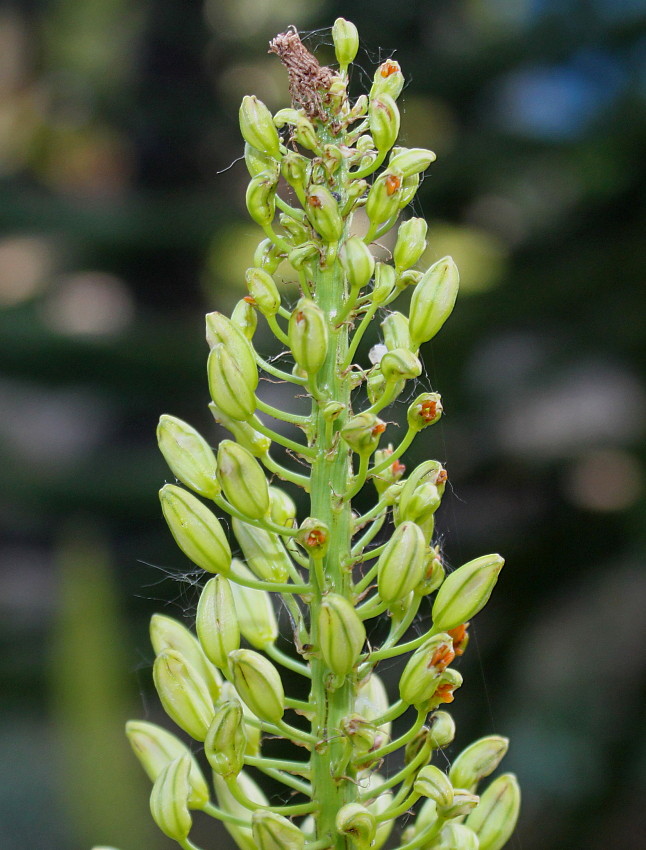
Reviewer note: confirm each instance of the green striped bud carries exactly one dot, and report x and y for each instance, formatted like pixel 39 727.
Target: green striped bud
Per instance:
pixel 267 256
pixel 375 386
pixel 424 411
pixel 220 330
pixel 216 621
pixel 421 675
pixel 229 386
pixel 242 480
pixel 155 748
pixel 258 684
pixel 252 729
pixel 401 565
pixel 245 317
pixel 308 336
pixel 169 799
pixel 167 633
pixel 408 190
pixel 388 80
pixel 433 300
pixel 357 261
pixel 357 824
pixel 410 161
pixel 189 456
pixel 282 509
pixel 296 230
pixel 294 169
pixel 400 365
pixel 385 279
pixel 263 551
pixel 431 782
pixel 478 760
pixel 183 693
pixel 383 117
pixel 263 291
pixel 226 740
pixel 383 202
pixel 274 832
pixel 411 243
pixel 304 131
pixel 255 611
pixel 362 432
pixel 258 162
pixel 196 530
pixel 422 504
pixel 395 331
pixel 255 442
pixel 428 472
pixel 346 42
pixel 323 212
pixel 442 729
pixel 341 633
pixel 457 836
pixel 495 817
pixel 466 591
pixel 433 573
pixel 261 199
pixel 463 803
pixel 257 126
pixel 304 254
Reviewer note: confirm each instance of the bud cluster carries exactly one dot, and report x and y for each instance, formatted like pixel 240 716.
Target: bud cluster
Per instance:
pixel 312 167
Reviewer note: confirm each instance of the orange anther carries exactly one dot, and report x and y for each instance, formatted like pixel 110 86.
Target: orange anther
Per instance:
pixel 314 201
pixel 460 637
pixel 398 468
pixel 393 182
pixel 429 410
pixel 378 429
pixel 250 299
pixel 389 68
pixel 442 476
pixel 442 657
pixel 300 316
pixel 316 537
pixel 445 692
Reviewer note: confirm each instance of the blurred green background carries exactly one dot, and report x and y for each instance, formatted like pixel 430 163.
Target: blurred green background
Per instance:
pixel 122 221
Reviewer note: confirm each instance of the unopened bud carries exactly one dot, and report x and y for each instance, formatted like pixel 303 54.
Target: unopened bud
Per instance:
pixel 424 411
pixel 401 565
pixel 282 509
pixel 169 799
pixel 388 80
pixel 442 729
pixel 463 803
pixel 258 162
pixel 433 576
pixel 466 591
pixel 420 678
pixel 229 386
pixel 226 741
pixel 383 116
pixel 362 432
pixel 221 330
pixel 395 331
pixel 303 131
pixel 272 831
pixel 341 633
pixel 400 365
pixel 357 261
pixel 267 256
pixel 409 188
pixel 261 199
pixel 421 506
pixel 323 212
pixel 383 202
pixel 189 456
pixel 216 621
pixel 257 126
pixel 168 633
pixel 428 472
pixel 196 530
pixel 495 817
pixel 255 611
pixel 364 737
pixel 346 42
pixel 263 291
pixel 410 161
pixel 294 170
pixel 431 782
pixel 332 410
pixel 258 444
pixel 242 480
pixel 358 824
pixel 156 748
pixel 411 243
pixel 245 317
pixel 478 760
pixel 299 257
pixel 384 282
pixel 456 836
pixel 264 553
pixel 183 693
pixel 433 300
pixel 308 336
pixel 314 537
pixel 258 684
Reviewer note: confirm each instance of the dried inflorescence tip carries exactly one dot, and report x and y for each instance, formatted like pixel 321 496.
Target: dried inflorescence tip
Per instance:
pixel 308 80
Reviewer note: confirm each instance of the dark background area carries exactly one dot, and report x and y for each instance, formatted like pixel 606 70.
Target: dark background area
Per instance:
pixel 122 221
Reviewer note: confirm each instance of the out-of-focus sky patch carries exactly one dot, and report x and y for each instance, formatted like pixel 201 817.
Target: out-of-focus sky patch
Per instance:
pixel 427 122
pixel 247 19
pixel 604 480
pixel 26 263
pixel 481 256
pixel 88 303
pixel 265 79
pixel 229 257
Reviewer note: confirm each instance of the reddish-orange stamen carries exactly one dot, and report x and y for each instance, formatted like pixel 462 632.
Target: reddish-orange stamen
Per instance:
pixel 378 429
pixel 389 68
pixel 393 182
pixel 442 657
pixel 445 692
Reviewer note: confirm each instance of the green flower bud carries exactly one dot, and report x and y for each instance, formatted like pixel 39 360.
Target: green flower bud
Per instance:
pixel 411 243
pixel 383 202
pixel 357 262
pixel 242 480
pixel 167 633
pixel 274 832
pixel 323 212
pixel 252 729
pixel 346 42
pixel 395 331
pixel 304 131
pixel 358 824
pixel 463 803
pixel 245 317
pixel 384 282
pixel 221 330
pixel 189 456
pixel 401 565
pixel 308 336
pixel 431 782
pixel 261 199
pixel 258 684
pixel 332 157
pixel 267 256
pixel 258 162
pixel 362 432
pixel 255 611
pixel 257 126
pixel 424 411
pixel 421 506
pixel 388 80
pixel 255 442
pixel 457 836
pixel 241 834
pixel 196 530
pixel 314 537
pixel 478 760
pixel 433 574
pixel 228 384
pixel 365 737
pixel 169 799
pixel 294 169
pixel 156 748
pixel 383 116
pixel 216 621
pixel 375 386
pixel 332 410
pixel 183 693
pixel 354 196
pixel 494 820
pixel 263 291
pixel 410 277
pixel 429 472
pixel 264 553
pixel 302 255
pixel 421 676
pixel 282 509
pixel 433 300
pixel 341 634
pixel 410 161
pixel 408 190
pixel 226 741
pixel 400 365
pixel 442 729
pixel 466 591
